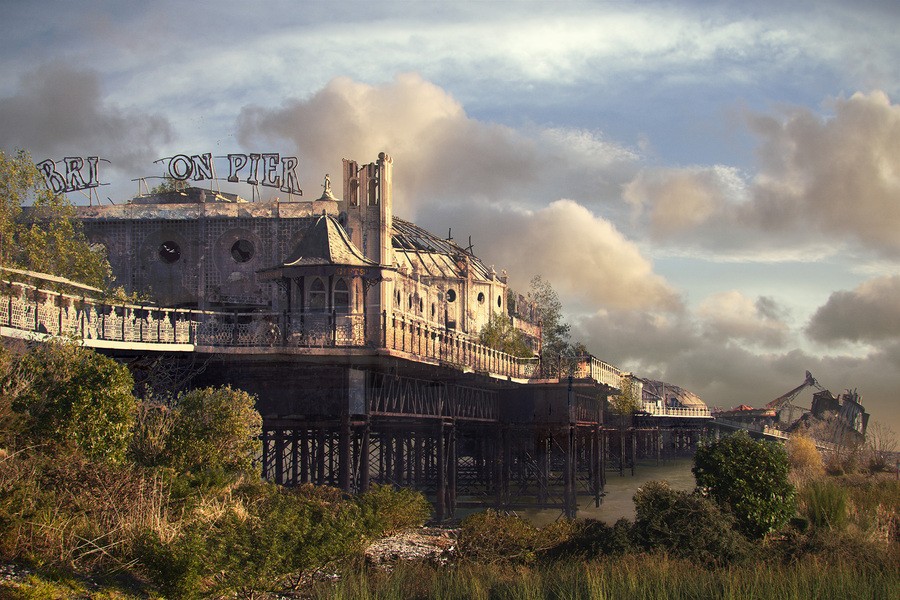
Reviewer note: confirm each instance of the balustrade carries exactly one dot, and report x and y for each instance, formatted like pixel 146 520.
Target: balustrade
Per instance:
pixel 29 309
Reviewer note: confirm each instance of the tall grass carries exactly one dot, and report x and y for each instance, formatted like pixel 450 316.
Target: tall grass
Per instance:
pixel 649 577
pixel 825 504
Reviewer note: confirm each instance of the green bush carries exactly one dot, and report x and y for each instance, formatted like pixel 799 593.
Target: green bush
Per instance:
pixel 749 478
pixel 263 535
pixel 175 567
pixel 491 536
pixel 78 399
pixel 686 525
pixel 592 538
pixel 386 510
pixel 214 430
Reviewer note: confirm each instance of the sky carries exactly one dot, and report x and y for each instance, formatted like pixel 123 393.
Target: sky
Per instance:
pixel 713 192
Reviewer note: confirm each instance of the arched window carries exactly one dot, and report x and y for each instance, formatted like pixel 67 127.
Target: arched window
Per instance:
pixel 318 298
pixel 341 296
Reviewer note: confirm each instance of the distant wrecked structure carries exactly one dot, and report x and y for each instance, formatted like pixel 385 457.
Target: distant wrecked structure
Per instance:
pixel 839 420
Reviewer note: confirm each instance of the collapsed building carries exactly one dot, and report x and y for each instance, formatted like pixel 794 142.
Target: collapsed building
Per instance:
pixel 839 420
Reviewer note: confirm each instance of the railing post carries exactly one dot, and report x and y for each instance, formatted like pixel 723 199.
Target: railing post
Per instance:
pixel 81 316
pixel 124 316
pixel 333 327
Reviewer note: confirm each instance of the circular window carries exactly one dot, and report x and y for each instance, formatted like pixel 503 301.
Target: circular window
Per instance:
pixel 451 295
pixel 169 252
pixel 499 301
pixel 242 251
pixel 480 297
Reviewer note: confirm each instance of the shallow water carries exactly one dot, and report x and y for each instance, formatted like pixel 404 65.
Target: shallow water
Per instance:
pixel 620 489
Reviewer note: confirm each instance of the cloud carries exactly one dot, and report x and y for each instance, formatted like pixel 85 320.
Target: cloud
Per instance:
pixel 439 152
pixel 59 111
pixel 680 199
pixel 584 257
pixel 732 316
pixel 499 185
pixel 868 314
pixel 677 348
pixel 820 182
pixel 840 175
pixel 435 147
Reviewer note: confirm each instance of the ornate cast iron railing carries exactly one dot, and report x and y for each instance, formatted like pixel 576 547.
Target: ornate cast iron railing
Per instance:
pixel 26 308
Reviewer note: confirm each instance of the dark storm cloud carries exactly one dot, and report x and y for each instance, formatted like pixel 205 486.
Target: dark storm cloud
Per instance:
pixel 869 314
pixel 60 110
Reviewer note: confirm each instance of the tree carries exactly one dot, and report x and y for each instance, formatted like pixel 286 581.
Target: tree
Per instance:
pixel 498 333
pixel 45 237
pixel 749 478
pixel 167 185
pixel 554 331
pixel 881 446
pixel 627 401
pixel 76 398
pixel 214 430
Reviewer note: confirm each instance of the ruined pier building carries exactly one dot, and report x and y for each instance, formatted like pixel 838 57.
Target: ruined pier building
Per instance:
pixel 358 333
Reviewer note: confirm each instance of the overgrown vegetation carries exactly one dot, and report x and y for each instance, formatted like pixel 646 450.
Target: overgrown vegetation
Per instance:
pixel 498 333
pixel 45 237
pixel 160 495
pixel 165 511
pixel 750 479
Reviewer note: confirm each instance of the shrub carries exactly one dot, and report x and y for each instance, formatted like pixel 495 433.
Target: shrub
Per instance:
pixel 592 538
pixel 749 478
pixel 804 458
pixel 386 510
pixel 77 398
pixel 251 544
pixel 76 514
pixel 844 460
pixel 686 525
pixel 492 536
pixel 214 430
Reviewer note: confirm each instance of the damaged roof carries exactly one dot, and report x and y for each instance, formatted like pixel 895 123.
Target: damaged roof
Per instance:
pixel 435 256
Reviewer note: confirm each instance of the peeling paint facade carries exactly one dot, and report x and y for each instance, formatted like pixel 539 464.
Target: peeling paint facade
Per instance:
pixel 209 251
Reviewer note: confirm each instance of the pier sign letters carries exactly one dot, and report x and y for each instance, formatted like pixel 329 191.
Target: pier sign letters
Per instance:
pixel 266 168
pixel 72 178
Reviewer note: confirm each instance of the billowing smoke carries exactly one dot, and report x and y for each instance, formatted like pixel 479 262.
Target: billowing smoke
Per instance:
pixel 59 111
